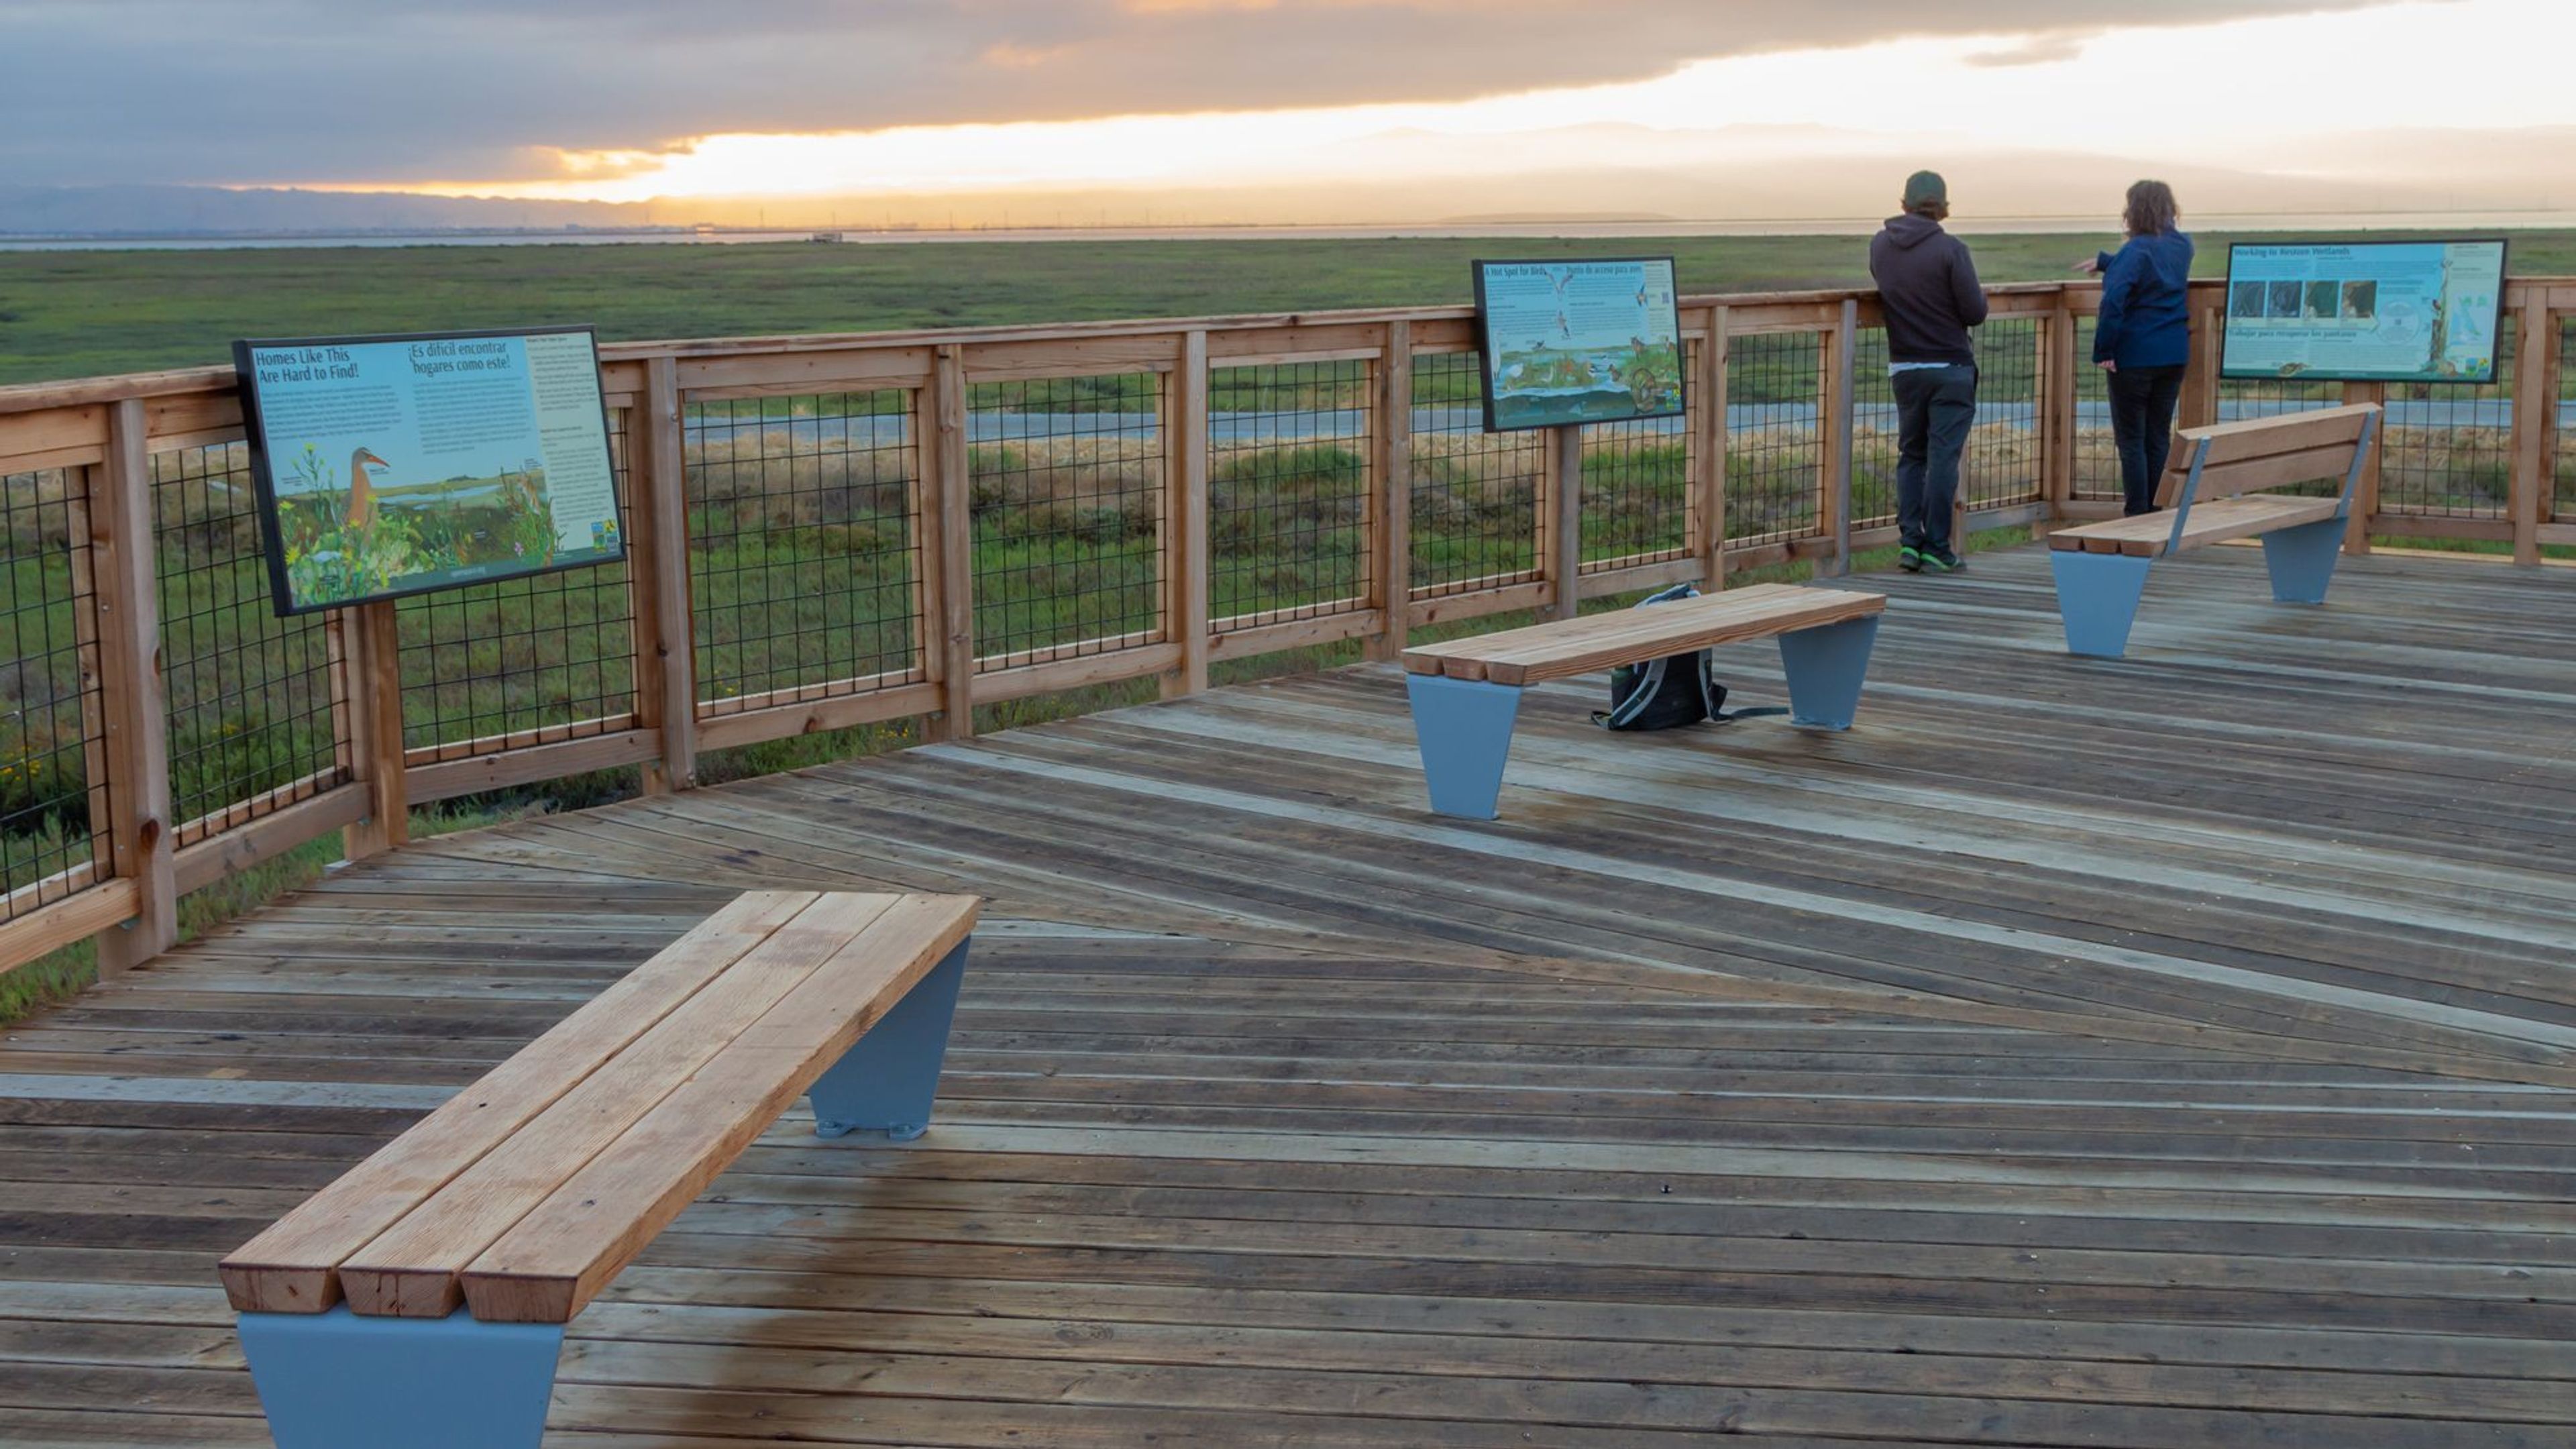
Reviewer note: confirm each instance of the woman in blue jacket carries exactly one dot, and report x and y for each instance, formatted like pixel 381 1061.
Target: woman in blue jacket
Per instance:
pixel 2143 338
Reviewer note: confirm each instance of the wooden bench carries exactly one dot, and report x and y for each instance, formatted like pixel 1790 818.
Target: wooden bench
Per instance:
pixel 2214 491
pixel 420 1300
pixel 1466 693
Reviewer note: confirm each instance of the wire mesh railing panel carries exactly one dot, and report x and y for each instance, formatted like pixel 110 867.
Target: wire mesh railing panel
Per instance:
pixel 53 731
pixel 251 695
pixel 2097 451
pixel 1475 501
pixel 1873 464
pixel 2002 465
pixel 2562 437
pixel 805 533
pixel 2446 449
pixel 1774 442
pixel 525 660
pixel 1636 487
pixel 1067 492
pixel 1288 492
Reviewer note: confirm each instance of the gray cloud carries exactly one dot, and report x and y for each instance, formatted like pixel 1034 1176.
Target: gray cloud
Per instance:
pixel 283 91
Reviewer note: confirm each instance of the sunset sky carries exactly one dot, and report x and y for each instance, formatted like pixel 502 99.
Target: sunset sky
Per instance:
pixel 1301 110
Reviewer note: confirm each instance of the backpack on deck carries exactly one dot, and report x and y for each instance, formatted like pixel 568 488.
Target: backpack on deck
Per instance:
pixel 1670 692
pixel 1665 693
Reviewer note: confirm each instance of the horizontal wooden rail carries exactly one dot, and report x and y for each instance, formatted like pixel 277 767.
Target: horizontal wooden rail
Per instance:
pixel 103 440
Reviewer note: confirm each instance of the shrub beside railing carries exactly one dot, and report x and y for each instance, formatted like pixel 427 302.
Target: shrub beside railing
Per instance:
pixel 835 531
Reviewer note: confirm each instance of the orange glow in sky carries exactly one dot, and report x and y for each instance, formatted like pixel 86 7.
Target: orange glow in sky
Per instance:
pixel 2186 94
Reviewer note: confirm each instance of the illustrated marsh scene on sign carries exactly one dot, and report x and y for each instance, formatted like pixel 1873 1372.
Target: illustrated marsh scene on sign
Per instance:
pixel 1579 341
pixel 395 466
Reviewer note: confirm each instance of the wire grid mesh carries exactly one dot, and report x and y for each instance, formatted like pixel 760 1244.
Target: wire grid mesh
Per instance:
pixel 1775 447
pixel 2002 463
pixel 251 695
pixel 1636 486
pixel 804 545
pixel 1475 496
pixel 2097 452
pixel 2562 446
pixel 1873 466
pixel 2447 448
pixel 1288 492
pixel 52 728
pixel 543 657
pixel 1067 492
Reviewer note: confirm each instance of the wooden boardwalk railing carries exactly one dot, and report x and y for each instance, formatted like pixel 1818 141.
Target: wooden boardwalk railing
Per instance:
pixel 837 530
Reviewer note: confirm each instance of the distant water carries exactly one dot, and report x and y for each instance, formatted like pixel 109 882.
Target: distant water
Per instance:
pixel 1535 230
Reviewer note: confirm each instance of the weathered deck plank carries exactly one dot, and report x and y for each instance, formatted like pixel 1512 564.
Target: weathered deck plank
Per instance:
pixel 2177 1051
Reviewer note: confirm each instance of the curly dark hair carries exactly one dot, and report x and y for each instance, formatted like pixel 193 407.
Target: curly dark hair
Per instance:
pixel 2151 209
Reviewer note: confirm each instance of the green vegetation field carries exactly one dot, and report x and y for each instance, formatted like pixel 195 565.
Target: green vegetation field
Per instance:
pixel 73 314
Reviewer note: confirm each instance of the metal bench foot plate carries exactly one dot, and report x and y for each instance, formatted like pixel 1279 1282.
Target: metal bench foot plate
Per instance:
pixel 335 1380
pixel 887 1081
pixel 2097 598
pixel 1825 667
pixel 1464 730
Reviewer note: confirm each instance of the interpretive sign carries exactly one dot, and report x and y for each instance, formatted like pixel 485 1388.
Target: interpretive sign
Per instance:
pixel 1591 341
pixel 2415 311
pixel 388 466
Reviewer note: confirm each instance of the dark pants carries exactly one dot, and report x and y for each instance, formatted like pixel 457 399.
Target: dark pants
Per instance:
pixel 2142 412
pixel 1934 408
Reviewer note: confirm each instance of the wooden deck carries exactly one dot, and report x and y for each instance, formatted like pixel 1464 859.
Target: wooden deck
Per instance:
pixel 2170 1052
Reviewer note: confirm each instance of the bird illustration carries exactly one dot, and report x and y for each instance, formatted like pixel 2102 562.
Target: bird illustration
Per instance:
pixel 362 491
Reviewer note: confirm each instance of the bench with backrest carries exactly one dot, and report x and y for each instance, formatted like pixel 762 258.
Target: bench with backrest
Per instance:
pixel 2214 490
pixel 420 1299
pixel 1466 693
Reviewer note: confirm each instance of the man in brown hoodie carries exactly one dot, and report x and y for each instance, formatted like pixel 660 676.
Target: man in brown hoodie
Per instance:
pixel 1928 289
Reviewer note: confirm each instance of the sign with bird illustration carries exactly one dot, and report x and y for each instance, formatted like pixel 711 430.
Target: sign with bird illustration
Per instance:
pixel 395 465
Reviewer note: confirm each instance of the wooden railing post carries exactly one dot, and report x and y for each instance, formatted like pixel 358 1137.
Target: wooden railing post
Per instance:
pixel 133 705
pixel 2199 404
pixel 1391 497
pixel 1563 494
pixel 2535 405
pixel 367 641
pixel 2365 491
pixel 1836 387
pixel 2058 402
pixel 666 683
pixel 1712 433
pixel 949 629
pixel 1185 531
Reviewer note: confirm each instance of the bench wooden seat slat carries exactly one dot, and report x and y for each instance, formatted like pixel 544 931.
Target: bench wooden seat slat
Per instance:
pixel 412 1270
pixel 2253 475
pixel 2283 433
pixel 553 1261
pixel 1543 652
pixel 2144 536
pixel 293 1266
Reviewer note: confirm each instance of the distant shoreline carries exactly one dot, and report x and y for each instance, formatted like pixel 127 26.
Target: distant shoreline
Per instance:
pixel 1562 229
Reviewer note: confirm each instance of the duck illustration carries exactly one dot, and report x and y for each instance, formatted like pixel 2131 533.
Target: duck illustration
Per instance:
pixel 362 491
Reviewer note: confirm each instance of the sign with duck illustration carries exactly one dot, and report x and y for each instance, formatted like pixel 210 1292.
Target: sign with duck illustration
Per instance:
pixel 1594 340
pixel 389 466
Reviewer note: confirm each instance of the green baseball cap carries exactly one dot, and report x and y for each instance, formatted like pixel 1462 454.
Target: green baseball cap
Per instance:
pixel 1926 188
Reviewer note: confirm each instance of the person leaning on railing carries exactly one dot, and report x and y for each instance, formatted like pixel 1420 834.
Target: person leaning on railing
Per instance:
pixel 2143 338
pixel 1928 292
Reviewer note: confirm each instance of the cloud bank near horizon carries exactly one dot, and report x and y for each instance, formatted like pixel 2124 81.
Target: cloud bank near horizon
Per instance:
pixel 321 92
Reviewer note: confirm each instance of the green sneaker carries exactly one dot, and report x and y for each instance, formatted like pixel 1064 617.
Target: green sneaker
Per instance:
pixel 1943 561
pixel 1910 559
